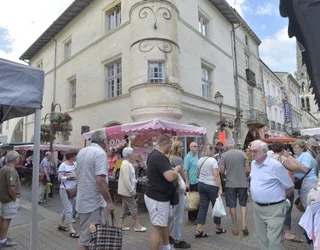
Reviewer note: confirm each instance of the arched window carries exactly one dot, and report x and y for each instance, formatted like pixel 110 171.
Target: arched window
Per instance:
pixel 303 87
pixel 302 103
pixel 308 104
pixel 17 135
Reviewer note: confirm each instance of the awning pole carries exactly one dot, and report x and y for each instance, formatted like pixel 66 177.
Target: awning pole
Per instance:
pixel 35 181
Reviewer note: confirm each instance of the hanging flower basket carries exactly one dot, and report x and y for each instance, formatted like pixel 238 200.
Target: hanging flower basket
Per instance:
pixel 60 118
pixel 45 133
pixel 226 123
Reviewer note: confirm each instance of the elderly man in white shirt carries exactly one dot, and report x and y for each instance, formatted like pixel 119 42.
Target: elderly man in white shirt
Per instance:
pixel 92 186
pixel 270 186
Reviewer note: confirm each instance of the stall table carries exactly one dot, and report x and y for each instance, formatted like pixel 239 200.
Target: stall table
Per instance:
pixel 141 187
pixel 25 174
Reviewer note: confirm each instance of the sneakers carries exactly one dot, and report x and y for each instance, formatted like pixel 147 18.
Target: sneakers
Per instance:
pixel 182 244
pixel 8 243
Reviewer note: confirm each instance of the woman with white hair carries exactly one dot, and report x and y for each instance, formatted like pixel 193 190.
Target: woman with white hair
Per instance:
pixel 127 190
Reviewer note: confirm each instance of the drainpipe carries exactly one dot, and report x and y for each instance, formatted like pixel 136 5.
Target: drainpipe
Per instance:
pixel 54 74
pixel 236 85
pixel 54 88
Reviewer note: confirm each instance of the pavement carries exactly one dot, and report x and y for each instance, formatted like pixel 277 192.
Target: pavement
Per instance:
pixel 49 238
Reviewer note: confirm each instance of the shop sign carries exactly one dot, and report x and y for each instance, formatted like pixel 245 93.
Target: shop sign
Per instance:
pixel 287 112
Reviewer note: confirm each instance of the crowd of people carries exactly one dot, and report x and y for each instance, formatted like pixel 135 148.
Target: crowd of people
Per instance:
pixel 273 175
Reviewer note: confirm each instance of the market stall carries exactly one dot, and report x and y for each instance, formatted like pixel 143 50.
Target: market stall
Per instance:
pixel 46 147
pixel 25 170
pixel 310 132
pixel 21 93
pixel 142 136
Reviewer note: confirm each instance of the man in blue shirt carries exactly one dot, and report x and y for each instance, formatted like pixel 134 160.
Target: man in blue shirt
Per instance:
pixel 192 179
pixel 270 186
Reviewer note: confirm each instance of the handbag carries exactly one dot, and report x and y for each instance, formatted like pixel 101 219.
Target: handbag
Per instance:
pixel 298 182
pixel 70 192
pixel 106 237
pixel 174 199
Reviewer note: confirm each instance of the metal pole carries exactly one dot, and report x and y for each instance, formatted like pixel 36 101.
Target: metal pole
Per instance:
pixel 35 181
pixel 220 109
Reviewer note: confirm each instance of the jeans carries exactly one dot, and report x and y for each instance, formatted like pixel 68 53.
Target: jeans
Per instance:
pixel 67 203
pixel 192 215
pixel 175 226
pixel 306 186
pixel 207 193
pixel 74 211
pixel 287 220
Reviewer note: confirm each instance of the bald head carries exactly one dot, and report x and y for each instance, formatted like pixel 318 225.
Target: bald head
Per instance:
pixel 193 147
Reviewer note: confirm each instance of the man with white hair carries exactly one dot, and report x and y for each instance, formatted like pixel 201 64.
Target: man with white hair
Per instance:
pixel 270 187
pixel 234 164
pixel 92 186
pixel 10 192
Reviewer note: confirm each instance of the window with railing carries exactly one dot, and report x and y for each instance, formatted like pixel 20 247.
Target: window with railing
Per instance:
pixel 156 72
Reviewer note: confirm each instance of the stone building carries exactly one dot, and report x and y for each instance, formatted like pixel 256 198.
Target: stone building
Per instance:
pixel 109 62
pixel 274 89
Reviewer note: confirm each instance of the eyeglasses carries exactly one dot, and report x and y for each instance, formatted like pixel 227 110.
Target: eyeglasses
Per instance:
pixel 255 151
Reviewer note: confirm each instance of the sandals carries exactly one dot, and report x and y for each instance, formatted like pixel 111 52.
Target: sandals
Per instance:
pixel 296 240
pixel 201 235
pixel 220 231
pixel 245 231
pixel 63 228
pixel 235 232
pixel 74 235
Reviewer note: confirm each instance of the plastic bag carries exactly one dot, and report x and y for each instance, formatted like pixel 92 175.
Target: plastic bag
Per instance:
pixel 314 195
pixel 218 209
pixel 192 201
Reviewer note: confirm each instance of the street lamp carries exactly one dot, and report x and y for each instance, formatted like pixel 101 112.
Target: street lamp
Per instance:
pixel 218 97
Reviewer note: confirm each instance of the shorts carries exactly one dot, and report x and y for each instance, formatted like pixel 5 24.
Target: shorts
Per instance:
pixel 86 219
pixel 158 211
pixel 233 193
pixel 129 204
pixel 9 210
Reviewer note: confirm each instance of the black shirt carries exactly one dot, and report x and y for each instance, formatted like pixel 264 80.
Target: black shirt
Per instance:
pixel 158 188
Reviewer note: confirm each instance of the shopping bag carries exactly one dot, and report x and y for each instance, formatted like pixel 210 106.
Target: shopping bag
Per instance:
pixel 218 208
pixel 105 237
pixel 192 201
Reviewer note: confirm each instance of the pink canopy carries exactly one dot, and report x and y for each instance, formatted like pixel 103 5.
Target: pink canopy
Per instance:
pixel 149 127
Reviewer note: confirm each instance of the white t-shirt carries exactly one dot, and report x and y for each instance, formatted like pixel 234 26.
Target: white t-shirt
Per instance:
pixel 64 170
pixel 206 172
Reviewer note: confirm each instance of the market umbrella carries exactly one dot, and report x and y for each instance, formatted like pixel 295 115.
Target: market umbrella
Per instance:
pixel 21 93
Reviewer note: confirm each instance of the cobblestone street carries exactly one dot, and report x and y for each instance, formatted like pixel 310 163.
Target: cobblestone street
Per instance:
pixel 52 239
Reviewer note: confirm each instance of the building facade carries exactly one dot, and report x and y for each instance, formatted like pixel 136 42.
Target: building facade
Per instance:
pixel 253 116
pixel 273 87
pixel 291 100
pixel 112 62
pixel 308 104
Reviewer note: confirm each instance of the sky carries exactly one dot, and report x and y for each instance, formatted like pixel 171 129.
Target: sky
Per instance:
pixel 20 27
